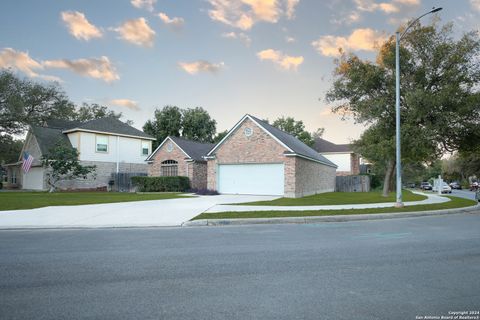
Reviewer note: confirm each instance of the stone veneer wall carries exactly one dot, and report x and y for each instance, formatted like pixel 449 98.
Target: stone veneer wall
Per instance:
pixel 312 178
pixel 103 174
pixel 260 147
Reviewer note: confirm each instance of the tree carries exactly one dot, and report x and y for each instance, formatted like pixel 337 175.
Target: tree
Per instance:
pixel 220 136
pixel 296 129
pixel 62 163
pixel 440 102
pixel 197 125
pixel 96 111
pixel 24 102
pixel 166 122
pixel 9 149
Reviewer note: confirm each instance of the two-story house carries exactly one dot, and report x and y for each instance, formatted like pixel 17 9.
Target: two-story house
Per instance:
pixel 108 143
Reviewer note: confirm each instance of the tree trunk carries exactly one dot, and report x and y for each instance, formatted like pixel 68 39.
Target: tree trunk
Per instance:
pixel 388 177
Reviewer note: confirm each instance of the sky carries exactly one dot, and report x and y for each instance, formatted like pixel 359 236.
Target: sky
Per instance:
pixel 268 58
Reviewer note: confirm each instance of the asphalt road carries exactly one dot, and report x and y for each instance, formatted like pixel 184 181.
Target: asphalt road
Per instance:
pixel 387 269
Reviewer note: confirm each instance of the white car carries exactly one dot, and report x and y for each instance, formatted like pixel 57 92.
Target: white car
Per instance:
pixel 445 188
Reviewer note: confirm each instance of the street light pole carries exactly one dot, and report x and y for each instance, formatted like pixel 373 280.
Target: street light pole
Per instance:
pixel 398 157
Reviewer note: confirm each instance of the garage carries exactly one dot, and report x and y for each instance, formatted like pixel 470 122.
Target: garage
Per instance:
pixel 258 179
pixel 33 179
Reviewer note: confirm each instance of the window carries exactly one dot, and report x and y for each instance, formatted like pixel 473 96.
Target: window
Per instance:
pixel 145 148
pixel 169 168
pixel 13 179
pixel 5 178
pixel 102 144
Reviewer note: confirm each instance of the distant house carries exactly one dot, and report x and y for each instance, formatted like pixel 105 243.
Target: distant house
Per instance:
pixel 342 155
pixel 108 143
pixel 180 157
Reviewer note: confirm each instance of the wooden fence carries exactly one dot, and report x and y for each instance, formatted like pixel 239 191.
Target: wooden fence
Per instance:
pixel 122 181
pixel 353 183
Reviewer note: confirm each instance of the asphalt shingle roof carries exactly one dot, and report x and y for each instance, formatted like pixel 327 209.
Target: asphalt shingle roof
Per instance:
pixel 196 150
pixel 322 145
pixel 111 125
pixel 47 138
pixel 293 143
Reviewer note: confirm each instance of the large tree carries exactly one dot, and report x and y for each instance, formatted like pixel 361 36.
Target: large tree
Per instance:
pixel 9 149
pixel 93 111
pixel 166 122
pixel 198 125
pixel 297 129
pixel 440 100
pixel 24 102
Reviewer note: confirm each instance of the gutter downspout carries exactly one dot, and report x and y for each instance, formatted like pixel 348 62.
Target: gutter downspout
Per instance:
pixel 118 155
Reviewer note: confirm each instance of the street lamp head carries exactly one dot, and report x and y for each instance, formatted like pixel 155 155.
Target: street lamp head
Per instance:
pixel 435 10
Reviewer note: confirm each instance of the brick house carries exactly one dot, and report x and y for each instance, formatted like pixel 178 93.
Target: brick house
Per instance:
pixel 108 143
pixel 341 154
pixel 180 157
pixel 257 158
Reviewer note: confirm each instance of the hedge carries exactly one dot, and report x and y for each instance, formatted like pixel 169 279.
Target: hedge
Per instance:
pixel 161 184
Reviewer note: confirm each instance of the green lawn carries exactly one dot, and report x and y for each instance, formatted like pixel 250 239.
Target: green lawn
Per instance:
pixel 332 198
pixel 30 200
pixel 455 203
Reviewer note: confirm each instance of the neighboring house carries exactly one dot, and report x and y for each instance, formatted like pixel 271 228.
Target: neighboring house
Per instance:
pixel 341 154
pixel 180 157
pixel 109 144
pixel 257 158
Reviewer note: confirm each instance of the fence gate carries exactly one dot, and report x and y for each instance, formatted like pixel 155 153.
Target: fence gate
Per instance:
pixel 122 181
pixel 353 183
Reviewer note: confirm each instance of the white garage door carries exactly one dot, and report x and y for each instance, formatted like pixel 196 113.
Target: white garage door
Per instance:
pixel 261 179
pixel 33 179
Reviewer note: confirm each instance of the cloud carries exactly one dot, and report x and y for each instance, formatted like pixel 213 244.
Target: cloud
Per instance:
pixel 98 68
pixel 144 4
pixel 21 61
pixel 137 31
pixel 360 39
pixel 408 2
pixel 238 35
pixel 201 66
pixel 291 4
pixel 127 103
pixel 475 4
pixel 289 39
pixel 371 5
pixel 79 27
pixel 243 14
pixel 280 59
pixel 175 22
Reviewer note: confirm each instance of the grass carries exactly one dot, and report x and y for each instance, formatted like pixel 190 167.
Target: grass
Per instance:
pixel 454 203
pixel 333 198
pixel 30 200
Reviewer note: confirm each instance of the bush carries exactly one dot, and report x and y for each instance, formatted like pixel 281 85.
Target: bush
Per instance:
pixel 204 192
pixel 161 184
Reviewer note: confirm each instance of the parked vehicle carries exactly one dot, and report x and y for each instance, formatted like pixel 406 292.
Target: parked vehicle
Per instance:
pixel 445 188
pixel 411 185
pixel 474 186
pixel 425 186
pixel 456 185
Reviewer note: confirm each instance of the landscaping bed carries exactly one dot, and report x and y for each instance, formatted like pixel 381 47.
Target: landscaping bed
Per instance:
pixel 454 203
pixel 30 200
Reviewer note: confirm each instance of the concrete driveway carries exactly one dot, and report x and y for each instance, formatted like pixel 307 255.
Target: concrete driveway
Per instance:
pixel 155 213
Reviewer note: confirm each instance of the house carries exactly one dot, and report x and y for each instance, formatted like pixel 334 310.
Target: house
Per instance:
pixel 180 157
pixel 341 154
pixel 108 143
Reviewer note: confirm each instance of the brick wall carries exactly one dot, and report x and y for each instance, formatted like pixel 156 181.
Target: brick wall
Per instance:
pixel 354 164
pixel 312 178
pixel 260 147
pixel 154 168
pixel 198 177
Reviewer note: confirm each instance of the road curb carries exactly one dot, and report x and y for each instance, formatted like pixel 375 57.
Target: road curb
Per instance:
pixel 316 219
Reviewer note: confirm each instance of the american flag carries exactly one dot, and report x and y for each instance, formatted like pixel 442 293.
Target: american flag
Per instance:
pixel 27 162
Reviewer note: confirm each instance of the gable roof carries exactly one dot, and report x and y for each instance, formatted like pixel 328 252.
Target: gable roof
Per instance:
pixel 291 143
pixel 109 125
pixel 47 138
pixel 192 149
pixel 324 146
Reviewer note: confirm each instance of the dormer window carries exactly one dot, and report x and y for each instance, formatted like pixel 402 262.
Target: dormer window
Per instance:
pixel 102 144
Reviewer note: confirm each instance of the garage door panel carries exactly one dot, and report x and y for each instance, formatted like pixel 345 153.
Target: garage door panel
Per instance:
pixel 261 179
pixel 33 179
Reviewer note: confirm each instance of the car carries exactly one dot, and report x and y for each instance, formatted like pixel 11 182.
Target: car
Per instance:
pixel 425 186
pixel 411 185
pixel 445 188
pixel 455 185
pixel 474 186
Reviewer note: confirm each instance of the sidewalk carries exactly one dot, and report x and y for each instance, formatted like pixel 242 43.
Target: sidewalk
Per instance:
pixel 432 199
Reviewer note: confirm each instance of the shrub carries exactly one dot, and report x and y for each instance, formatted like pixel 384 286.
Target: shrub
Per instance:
pixel 161 184
pixel 204 192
